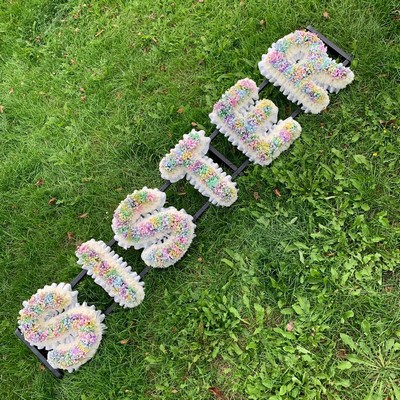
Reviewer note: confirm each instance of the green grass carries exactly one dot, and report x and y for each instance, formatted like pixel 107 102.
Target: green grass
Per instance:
pixel 323 257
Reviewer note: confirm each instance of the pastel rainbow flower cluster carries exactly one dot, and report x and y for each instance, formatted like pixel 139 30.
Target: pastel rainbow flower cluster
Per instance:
pixel 250 127
pixel 188 158
pixel 111 272
pixel 53 319
pixel 300 65
pixel 164 233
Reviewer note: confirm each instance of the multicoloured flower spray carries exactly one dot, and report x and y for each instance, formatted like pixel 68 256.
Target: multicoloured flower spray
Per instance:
pixel 300 65
pixel 250 126
pixel 188 159
pixel 164 233
pixel 111 272
pixel 53 319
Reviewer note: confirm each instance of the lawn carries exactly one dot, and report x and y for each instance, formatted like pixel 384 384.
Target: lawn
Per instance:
pixel 293 292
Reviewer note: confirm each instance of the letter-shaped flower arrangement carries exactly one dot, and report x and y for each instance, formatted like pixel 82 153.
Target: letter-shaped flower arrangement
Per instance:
pixel 299 64
pixel 53 319
pixel 111 272
pixel 251 127
pixel 133 228
pixel 188 158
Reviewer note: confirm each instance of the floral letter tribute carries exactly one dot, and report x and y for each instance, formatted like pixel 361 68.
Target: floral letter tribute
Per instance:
pixel 111 273
pixel 188 158
pixel 132 227
pixel 73 336
pixel 250 127
pixel 299 64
